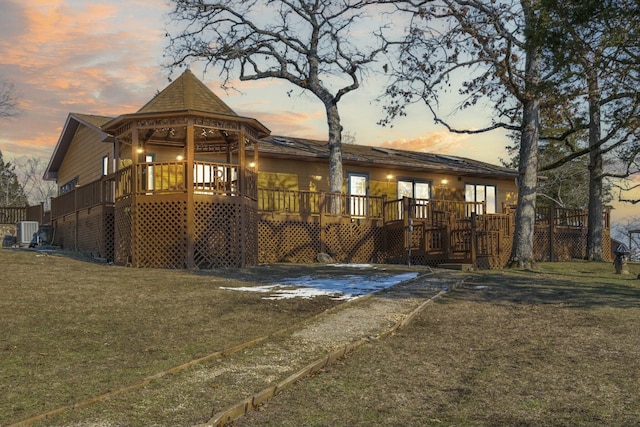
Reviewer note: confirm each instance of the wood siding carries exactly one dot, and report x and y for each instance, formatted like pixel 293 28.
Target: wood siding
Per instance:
pixel 84 158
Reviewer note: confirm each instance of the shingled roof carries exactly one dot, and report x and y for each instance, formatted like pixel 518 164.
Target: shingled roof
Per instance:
pixel 288 147
pixel 187 92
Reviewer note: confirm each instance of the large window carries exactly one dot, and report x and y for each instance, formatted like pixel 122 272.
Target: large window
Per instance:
pixel 482 193
pixel 414 189
pixel 418 190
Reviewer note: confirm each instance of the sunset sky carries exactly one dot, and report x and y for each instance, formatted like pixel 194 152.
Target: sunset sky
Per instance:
pixel 106 57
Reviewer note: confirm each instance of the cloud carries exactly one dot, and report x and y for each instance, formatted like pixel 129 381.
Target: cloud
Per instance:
pixel 432 142
pixel 76 56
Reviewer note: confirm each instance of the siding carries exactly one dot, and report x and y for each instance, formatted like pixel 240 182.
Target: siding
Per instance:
pixel 84 157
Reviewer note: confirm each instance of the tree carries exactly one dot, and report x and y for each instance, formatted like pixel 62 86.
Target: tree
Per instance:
pixel 309 44
pixel 8 99
pixel 494 48
pixel 565 186
pixel 30 173
pixel 590 43
pixel 11 192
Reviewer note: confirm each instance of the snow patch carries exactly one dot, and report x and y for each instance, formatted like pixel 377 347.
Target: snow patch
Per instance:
pixel 339 288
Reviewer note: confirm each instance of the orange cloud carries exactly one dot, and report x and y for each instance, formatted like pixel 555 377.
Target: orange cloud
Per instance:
pixel 433 142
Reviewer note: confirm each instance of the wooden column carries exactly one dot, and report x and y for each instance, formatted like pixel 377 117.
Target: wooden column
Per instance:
pixel 243 204
pixel 134 187
pixel 190 183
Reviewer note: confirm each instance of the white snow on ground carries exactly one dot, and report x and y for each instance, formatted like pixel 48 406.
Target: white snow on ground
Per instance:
pixel 342 288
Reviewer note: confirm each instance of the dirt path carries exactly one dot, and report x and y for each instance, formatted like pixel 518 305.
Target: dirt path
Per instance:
pixel 328 337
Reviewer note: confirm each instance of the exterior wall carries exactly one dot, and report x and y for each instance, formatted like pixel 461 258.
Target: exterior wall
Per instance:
pixel 304 175
pixel 84 158
pixel 88 230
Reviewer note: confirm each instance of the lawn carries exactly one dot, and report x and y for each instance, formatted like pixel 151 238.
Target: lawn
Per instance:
pixel 556 346
pixel 74 329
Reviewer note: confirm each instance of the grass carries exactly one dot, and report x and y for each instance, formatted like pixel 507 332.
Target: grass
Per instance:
pixel 556 347
pixel 73 329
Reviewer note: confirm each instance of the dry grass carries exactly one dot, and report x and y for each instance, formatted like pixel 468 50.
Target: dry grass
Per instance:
pixel 556 347
pixel 73 329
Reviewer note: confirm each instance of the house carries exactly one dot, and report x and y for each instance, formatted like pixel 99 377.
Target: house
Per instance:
pixel 185 182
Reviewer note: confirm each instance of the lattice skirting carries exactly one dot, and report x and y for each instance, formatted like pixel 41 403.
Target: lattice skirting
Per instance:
pixel 225 233
pixel 122 232
pixel 567 244
pixel 292 238
pixel 222 233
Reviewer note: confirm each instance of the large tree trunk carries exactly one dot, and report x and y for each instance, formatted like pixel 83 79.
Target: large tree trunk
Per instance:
pixel 596 193
pixel 335 157
pixel 522 249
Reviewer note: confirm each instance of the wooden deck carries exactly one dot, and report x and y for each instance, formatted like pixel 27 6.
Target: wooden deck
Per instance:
pixel 267 225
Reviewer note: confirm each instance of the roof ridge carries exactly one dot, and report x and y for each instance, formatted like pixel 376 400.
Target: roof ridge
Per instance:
pixel 187 92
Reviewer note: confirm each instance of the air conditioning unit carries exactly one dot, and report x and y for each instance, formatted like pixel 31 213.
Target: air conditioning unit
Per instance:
pixel 26 230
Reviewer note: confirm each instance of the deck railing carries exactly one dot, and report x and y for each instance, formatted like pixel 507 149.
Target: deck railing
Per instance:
pixel 317 203
pixel 431 210
pixel 170 177
pixel 95 193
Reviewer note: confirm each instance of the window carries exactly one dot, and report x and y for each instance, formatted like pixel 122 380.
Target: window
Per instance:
pixel 418 190
pixel 150 158
pixel 414 189
pixel 482 193
pixel 358 186
pixel 105 165
pixel 69 186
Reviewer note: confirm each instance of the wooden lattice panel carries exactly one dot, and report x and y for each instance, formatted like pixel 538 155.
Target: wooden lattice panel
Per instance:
pixel 606 245
pixel 359 241
pixel 569 243
pixel 122 232
pixel 219 233
pixel 108 230
pixel 394 237
pixel 284 238
pixel 251 224
pixel 161 233
pixel 563 244
pixel 541 242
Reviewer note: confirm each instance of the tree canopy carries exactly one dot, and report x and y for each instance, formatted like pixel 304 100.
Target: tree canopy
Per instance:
pixel 310 44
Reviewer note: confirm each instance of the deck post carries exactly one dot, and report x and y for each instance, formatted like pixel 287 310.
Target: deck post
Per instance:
pixel 474 242
pixel 190 178
pixel 134 193
pixel 242 189
pixel 321 208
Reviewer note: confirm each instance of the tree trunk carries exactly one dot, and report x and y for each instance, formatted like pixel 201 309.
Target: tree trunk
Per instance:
pixel 596 193
pixel 522 249
pixel 335 156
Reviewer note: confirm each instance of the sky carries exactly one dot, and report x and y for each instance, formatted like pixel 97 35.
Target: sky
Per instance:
pixel 105 57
